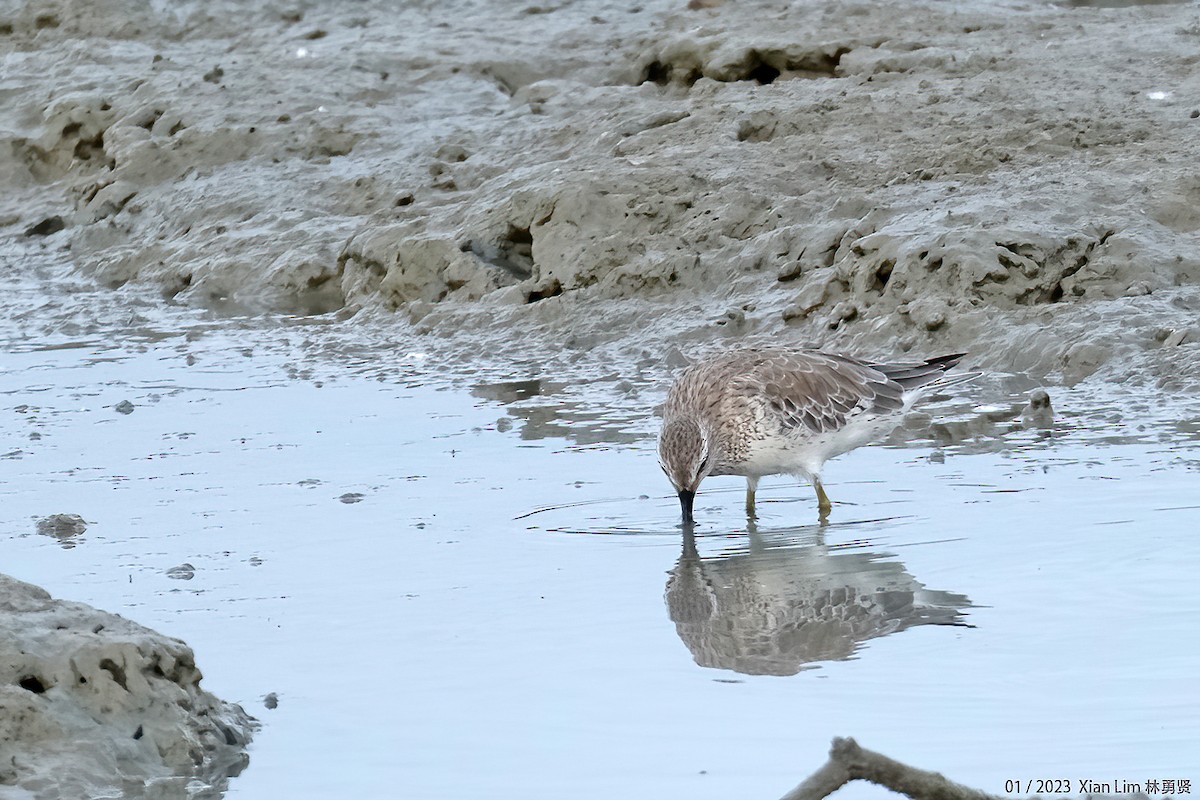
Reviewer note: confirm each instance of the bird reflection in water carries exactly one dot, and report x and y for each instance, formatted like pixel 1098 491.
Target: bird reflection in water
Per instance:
pixel 775 609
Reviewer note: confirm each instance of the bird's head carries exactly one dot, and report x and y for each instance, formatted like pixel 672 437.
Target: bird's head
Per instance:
pixel 686 457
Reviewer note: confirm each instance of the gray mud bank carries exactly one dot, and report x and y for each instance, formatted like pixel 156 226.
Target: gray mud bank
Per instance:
pixel 93 705
pixel 1014 179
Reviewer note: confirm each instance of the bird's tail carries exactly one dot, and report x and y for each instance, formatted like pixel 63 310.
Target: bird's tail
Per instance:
pixel 927 374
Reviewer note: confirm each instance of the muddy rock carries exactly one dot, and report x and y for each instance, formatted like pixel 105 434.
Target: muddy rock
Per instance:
pixel 92 704
pixel 62 526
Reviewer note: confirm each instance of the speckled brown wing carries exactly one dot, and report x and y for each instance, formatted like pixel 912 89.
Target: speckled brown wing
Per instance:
pixel 821 391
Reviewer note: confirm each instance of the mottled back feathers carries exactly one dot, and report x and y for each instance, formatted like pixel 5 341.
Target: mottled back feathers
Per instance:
pixel 806 388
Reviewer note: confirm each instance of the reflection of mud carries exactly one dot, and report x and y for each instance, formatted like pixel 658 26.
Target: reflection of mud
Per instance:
pixel 988 428
pixel 540 417
pixel 772 610
pixel 507 392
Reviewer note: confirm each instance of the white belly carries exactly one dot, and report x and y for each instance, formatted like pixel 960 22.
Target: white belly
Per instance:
pixel 803 452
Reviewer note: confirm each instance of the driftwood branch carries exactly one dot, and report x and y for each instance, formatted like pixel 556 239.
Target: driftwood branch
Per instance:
pixel 849 762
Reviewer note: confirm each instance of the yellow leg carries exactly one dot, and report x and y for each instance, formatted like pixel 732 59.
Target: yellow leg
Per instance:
pixel 751 488
pixel 823 504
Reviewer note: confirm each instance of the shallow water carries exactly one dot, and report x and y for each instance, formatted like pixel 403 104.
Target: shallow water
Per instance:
pixel 460 589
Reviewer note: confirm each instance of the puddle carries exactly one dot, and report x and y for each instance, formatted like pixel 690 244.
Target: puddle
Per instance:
pixel 510 608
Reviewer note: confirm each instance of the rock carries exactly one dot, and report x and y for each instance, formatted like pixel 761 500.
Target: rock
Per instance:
pixel 1039 413
pixel 182 572
pixel 94 705
pixel 1175 338
pixel 62 526
pixel 46 227
pixel 124 407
